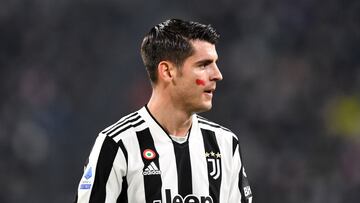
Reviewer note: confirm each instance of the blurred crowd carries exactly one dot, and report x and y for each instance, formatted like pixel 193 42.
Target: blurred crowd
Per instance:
pixel 291 90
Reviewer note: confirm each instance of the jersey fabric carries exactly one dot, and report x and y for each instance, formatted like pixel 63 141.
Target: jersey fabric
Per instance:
pixel 135 160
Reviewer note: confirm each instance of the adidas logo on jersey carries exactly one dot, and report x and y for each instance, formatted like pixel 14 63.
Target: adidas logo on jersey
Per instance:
pixel 151 169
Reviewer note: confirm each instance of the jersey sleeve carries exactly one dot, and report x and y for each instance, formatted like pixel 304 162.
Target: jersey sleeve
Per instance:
pixel 240 188
pixel 105 174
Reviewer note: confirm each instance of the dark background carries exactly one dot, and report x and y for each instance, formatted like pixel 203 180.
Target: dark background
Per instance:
pixel 291 88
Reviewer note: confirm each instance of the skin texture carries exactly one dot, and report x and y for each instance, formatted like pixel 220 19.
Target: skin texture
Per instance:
pixel 176 97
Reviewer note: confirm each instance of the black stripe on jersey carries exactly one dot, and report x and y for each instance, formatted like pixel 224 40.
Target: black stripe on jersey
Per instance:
pixel 235 144
pixel 104 165
pixel 132 125
pixel 123 124
pixel 119 122
pixel 123 198
pixel 152 182
pixel 203 121
pixel 213 158
pixel 244 185
pixel 183 166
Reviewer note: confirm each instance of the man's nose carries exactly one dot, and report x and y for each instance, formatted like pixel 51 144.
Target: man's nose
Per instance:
pixel 216 75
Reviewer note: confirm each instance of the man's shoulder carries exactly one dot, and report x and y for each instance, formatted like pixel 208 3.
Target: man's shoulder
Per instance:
pixel 125 125
pixel 205 123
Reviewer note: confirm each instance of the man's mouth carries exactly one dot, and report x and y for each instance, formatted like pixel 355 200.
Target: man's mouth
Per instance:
pixel 209 91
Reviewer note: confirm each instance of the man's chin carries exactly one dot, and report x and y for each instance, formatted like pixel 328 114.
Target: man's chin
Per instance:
pixel 204 108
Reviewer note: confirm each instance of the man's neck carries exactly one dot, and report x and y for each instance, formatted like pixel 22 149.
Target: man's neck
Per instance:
pixel 176 121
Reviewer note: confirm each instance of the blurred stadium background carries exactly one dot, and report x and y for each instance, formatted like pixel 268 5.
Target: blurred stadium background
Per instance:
pixel 291 90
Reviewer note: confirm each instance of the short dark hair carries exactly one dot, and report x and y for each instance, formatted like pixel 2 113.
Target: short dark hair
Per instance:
pixel 170 40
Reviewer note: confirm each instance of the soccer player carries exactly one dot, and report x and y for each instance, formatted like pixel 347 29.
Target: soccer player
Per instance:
pixel 165 152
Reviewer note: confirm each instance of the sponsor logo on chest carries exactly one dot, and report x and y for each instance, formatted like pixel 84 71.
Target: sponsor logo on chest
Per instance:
pixel 188 199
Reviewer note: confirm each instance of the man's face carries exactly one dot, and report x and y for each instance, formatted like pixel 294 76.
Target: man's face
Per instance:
pixel 195 81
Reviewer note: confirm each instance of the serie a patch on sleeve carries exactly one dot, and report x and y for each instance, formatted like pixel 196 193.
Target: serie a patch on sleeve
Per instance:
pixel 87 179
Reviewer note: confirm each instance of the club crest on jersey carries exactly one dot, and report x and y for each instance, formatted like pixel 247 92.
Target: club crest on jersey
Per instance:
pixel 214 164
pixel 149 154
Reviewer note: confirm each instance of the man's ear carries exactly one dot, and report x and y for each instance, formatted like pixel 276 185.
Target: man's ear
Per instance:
pixel 166 71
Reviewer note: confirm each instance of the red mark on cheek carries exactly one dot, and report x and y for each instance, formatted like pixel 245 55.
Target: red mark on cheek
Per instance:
pixel 200 82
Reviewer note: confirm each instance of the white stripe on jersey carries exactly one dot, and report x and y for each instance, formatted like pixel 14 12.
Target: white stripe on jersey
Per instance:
pixel 136 165
pixel 199 174
pixel 113 188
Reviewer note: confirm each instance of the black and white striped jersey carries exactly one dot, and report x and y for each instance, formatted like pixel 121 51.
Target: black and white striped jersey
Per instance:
pixel 136 161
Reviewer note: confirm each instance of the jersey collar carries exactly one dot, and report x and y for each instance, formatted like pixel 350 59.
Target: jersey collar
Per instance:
pixel 159 129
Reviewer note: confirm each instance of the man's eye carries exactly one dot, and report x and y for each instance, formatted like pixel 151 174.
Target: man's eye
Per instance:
pixel 204 65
